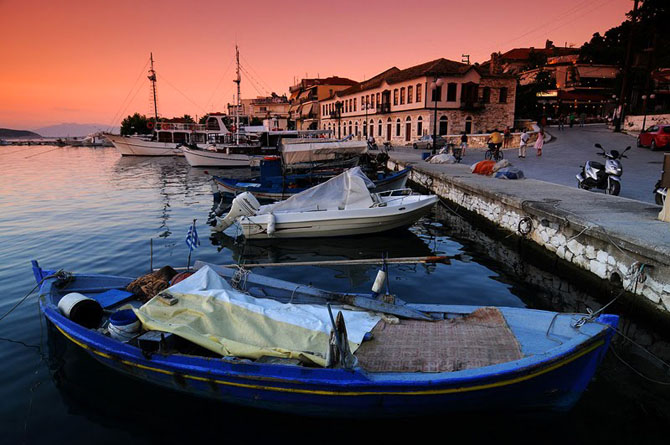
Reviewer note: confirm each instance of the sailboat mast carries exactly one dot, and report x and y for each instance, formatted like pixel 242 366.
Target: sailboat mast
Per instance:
pixel 238 104
pixel 152 78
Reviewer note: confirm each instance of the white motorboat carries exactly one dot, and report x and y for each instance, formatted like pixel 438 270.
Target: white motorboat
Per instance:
pixel 227 155
pixel 341 206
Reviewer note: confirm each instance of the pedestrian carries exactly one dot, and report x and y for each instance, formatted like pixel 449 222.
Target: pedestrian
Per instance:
pixel 582 119
pixel 464 143
pixel 540 142
pixel 522 145
pixel 572 119
pixel 507 137
pixel 561 122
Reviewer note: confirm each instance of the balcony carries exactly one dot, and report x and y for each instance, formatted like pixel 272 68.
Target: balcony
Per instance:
pixel 472 106
pixel 384 107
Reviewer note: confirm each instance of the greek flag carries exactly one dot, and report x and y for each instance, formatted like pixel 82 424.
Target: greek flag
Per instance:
pixel 192 240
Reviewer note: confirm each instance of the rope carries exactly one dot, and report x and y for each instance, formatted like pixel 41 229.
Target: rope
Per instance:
pixel 240 276
pixel 59 274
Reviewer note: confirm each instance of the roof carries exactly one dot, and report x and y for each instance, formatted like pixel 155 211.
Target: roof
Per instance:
pixel 524 53
pixel 438 67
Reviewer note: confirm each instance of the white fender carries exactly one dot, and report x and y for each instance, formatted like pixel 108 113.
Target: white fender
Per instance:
pixel 271 224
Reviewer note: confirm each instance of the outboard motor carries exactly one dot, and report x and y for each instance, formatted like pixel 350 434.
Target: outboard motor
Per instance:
pixel 660 193
pixel 244 204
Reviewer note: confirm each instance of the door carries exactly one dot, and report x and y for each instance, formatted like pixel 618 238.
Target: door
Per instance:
pixel 389 128
pixel 408 131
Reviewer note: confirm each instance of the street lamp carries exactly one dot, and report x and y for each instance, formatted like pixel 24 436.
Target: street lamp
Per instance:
pixel 366 105
pixel 644 108
pixel 436 85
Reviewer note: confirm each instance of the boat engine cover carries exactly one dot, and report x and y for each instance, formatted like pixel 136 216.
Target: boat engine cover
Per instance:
pixel 244 204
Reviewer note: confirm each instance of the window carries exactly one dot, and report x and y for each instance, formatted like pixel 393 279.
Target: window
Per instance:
pixel 355 103
pixel 410 92
pixel 395 97
pixel 350 128
pixel 356 128
pixel 418 92
pixel 486 95
pixel 402 96
pixel 379 130
pixel 377 104
pixel 468 125
pixel 419 126
pixel 436 94
pixel 346 106
pixel 444 124
pixel 397 127
pixel 503 95
pixel 451 92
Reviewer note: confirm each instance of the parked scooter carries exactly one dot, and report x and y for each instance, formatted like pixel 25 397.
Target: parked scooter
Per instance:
pixel 605 177
pixel 660 193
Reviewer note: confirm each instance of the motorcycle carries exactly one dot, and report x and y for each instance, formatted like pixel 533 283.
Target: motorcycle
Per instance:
pixel 605 177
pixel 660 193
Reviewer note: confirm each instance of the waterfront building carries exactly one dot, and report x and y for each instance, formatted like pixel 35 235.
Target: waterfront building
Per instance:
pixel 402 105
pixel 261 108
pixel 306 95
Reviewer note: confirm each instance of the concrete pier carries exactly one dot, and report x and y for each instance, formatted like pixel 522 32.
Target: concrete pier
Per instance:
pixel 613 238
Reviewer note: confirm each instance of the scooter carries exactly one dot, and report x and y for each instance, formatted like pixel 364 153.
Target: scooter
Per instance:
pixel 660 193
pixel 605 177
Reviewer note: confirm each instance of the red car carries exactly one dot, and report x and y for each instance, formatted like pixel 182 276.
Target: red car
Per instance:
pixel 654 136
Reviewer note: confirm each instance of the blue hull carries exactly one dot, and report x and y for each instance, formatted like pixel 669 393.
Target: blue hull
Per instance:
pixel 552 385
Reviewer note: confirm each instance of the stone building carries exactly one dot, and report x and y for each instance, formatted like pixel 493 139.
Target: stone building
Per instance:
pixel 305 97
pixel 402 105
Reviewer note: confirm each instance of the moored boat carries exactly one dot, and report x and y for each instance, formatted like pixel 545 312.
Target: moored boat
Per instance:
pixel 454 358
pixel 341 206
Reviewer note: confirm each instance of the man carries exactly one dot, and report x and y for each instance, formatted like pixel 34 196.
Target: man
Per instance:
pixel 464 143
pixel 495 142
pixel 524 142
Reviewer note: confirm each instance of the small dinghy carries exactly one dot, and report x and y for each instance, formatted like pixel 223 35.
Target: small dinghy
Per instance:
pixel 341 206
pixel 271 344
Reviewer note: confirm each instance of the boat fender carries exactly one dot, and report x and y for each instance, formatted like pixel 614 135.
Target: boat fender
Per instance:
pixel 244 204
pixel 380 280
pixel 81 309
pixel 271 224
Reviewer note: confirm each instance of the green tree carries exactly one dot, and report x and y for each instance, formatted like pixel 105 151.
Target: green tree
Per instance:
pixel 526 95
pixel 135 124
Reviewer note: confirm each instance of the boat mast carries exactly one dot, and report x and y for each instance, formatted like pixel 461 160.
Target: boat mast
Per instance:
pixel 152 78
pixel 238 104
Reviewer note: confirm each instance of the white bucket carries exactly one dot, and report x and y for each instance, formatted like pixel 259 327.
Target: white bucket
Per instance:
pixel 124 333
pixel 81 309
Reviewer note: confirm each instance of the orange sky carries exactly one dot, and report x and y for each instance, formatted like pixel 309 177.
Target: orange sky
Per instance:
pixel 77 61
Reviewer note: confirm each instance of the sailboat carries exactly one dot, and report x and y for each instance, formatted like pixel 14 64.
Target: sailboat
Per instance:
pixel 167 136
pixel 237 150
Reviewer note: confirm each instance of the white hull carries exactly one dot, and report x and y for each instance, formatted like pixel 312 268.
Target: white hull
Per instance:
pixel 134 146
pixel 403 212
pixel 207 158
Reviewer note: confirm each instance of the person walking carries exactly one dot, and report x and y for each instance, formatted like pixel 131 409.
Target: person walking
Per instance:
pixel 572 119
pixel 507 137
pixel 464 143
pixel 540 142
pixel 522 145
pixel 561 122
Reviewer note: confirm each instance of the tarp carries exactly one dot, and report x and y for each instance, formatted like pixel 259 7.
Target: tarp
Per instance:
pixel 213 315
pixel 348 190
pixel 509 173
pixel 321 151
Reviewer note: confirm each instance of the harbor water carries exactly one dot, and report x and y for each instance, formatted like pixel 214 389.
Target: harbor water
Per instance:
pixel 89 210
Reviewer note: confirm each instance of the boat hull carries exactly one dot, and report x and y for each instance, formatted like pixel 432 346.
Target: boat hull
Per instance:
pixel 206 158
pixel 334 223
pixel 552 385
pixel 131 146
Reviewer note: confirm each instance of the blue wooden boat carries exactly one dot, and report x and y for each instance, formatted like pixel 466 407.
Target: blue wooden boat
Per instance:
pixel 559 356
pixel 281 187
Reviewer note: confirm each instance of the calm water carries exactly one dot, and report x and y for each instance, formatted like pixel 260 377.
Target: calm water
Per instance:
pixel 89 210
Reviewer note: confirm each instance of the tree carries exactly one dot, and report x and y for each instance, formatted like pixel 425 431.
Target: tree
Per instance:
pixel 188 118
pixel 135 124
pixel 526 95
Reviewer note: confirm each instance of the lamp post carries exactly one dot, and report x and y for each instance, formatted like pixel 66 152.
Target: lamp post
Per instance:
pixel 644 108
pixel 366 105
pixel 338 113
pixel 434 85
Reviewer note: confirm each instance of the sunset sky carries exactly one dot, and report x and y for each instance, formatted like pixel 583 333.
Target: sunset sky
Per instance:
pixel 85 61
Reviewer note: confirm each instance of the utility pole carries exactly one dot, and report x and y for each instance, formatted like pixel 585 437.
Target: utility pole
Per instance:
pixel 623 97
pixel 237 80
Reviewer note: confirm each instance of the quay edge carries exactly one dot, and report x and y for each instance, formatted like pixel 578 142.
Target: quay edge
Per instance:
pixel 612 238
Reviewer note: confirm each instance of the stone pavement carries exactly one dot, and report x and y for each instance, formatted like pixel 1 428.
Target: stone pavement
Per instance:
pixel 562 157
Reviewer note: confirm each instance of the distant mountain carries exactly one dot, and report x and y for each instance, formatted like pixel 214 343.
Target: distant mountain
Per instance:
pixel 6 133
pixel 74 130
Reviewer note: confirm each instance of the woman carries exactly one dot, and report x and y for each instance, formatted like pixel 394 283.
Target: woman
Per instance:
pixel 540 142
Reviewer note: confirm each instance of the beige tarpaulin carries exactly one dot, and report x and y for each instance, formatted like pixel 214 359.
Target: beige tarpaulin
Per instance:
pixel 211 314
pixel 295 153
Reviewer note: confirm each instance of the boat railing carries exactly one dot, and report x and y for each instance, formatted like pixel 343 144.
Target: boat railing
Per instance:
pixel 168 126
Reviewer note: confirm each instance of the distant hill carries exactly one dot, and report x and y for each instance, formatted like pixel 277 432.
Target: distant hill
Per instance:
pixel 73 130
pixel 6 133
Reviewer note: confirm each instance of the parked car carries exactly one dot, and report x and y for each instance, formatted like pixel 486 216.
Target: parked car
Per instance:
pixel 426 142
pixel 654 136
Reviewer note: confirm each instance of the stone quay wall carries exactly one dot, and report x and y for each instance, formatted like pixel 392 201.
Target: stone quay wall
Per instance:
pixel 639 268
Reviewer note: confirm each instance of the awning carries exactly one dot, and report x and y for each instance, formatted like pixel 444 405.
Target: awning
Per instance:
pixel 307 109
